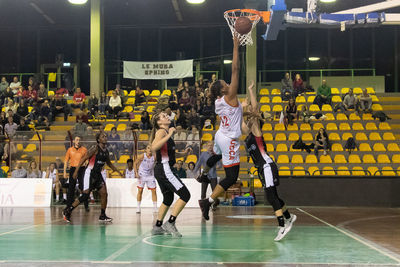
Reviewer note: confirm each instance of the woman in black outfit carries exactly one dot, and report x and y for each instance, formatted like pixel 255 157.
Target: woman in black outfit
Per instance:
pixel 321 141
pixel 290 112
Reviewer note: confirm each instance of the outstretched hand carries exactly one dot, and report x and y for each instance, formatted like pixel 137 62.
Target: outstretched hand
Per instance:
pixel 251 86
pixel 236 39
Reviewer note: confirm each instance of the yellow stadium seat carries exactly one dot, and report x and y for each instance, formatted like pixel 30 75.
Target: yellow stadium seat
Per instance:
pixel 365 147
pixel 314 171
pixel 374 136
pixel 293 137
pixel 346 136
pixel 30 109
pixel 383 158
pixel 208 129
pixel 396 158
pixel 340 159
pixel 377 107
pixel 335 91
pixel 336 99
pixel 264 91
pixel 341 117
pixel 299 171
pixel 358 126
pixel 128 109
pixel 268 137
pixel 317 126
pixel 388 137
pixel 370 126
pixel 136 118
pixel 267 127
pixel 281 148
pixel 155 93
pixel 379 147
pixel 276 99
pixel 370 90
pixel 191 158
pixel 284 171
pixel 393 147
pixel 132 93
pixel 283 159
pixel 300 99
pixel 121 127
pixel 30 148
pixel 143 137
pixel 279 127
pixel 109 127
pixel 244 159
pixel 374 98
pixel 150 109
pixel 345 90
pixel 300 107
pixel 270 147
pixel 357 90
pixel 254 170
pixel 361 137
pixel 123 159
pixel 280 137
pixel 307 137
pixel 367 117
pixel 277 108
pixel 311 159
pixel 337 147
pixel 329 117
pixel 354 158
pixel 109 93
pixel 326 108
pixel 5 168
pixel 354 117
pixel 369 159
pixel 264 99
pixel 373 171
pixel 388 171
pixel 344 127
pixel 384 126
pixel 314 108
pixel 325 159
pixel 328 171
pixel 305 127
pixel 343 171
pixel 265 108
pixel 293 127
pixel 130 101
pixel 297 159
pixel 257 183
pixel 166 92
pixel 331 126
pixel 206 137
pixel 357 171
pixel 311 99
pixel 275 92
pixel 334 137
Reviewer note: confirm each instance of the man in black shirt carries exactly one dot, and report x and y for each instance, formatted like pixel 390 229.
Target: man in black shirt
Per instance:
pixel 59 105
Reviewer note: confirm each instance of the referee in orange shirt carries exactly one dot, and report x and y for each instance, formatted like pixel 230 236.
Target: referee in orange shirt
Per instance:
pixel 74 156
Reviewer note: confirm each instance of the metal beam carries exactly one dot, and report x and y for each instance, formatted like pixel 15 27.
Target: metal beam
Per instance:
pixel 177 10
pixel 371 8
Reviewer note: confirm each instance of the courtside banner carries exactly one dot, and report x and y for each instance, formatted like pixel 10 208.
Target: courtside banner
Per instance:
pixel 158 70
pixel 20 192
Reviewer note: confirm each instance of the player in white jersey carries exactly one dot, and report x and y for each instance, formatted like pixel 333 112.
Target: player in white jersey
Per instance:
pixel 226 145
pixel 130 171
pixel 144 171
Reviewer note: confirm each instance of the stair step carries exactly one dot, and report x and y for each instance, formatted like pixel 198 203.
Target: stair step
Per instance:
pixel 391 107
pixel 61 127
pixel 389 99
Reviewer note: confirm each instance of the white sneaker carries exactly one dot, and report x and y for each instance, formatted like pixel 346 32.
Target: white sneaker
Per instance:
pixel 289 222
pixel 138 210
pixel 171 228
pixel 282 231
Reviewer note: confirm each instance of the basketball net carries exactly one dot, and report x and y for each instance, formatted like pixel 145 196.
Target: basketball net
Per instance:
pixel 232 15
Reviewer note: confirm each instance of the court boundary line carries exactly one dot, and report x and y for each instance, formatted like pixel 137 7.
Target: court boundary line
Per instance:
pixel 28 227
pixel 123 249
pixel 353 236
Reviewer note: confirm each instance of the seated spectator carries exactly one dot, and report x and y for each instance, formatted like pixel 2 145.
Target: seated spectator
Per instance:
pixel 198 106
pixel 22 110
pixel 83 117
pixel 114 143
pixel 184 101
pixel 19 95
pixel 103 103
pixel 140 97
pixel 119 91
pixel 146 123
pixel 324 95
pixel 23 130
pixel 190 173
pixel 321 142
pixel 33 170
pixel 298 86
pixel 8 94
pixel 365 101
pixel 194 134
pixel 11 106
pixel 30 95
pixel 78 99
pixel 291 112
pixel 179 91
pixel 3 85
pixel 59 105
pixel 114 105
pixel 80 128
pixel 19 171
pixel 208 112
pixel 193 119
pixel 179 171
pixel 15 84
pixel 287 87
pixel 10 128
pixel 42 94
pixel 10 113
pixel 349 102
pixel 93 105
pixel 45 112
pixel 180 134
pixel 173 100
pixel 3 119
pixel 180 119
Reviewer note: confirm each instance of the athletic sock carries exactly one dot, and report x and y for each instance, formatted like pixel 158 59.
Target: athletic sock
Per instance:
pixel 281 221
pixel 103 212
pixel 64 195
pixel 57 198
pixel 210 200
pixel 286 214
pixel 172 219
pixel 155 204
pixel 138 204
pixel 158 223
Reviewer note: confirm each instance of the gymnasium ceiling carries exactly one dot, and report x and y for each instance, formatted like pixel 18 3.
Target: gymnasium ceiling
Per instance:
pixel 137 13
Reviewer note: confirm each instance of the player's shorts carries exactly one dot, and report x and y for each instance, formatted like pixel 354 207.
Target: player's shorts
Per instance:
pixel 92 180
pixel 150 182
pixel 228 148
pixel 269 174
pixel 167 181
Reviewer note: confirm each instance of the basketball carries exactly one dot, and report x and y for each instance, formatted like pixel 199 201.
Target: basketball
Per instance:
pixel 243 25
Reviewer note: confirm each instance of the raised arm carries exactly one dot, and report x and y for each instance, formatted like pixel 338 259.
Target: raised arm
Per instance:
pixel 253 97
pixel 233 88
pixel 161 138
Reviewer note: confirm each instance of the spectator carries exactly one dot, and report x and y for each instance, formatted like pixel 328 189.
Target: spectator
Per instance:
pixel 365 101
pixel 3 85
pixel 190 171
pixel 19 171
pixel 171 115
pixel 11 127
pixel 180 119
pixel 184 101
pixel 23 129
pixel 114 105
pixel 324 95
pixel 80 128
pixel 59 105
pixel 290 112
pixel 59 165
pixel 321 142
pixel 193 118
pixel 208 112
pixel 198 106
pixel 128 140
pixel 298 86
pixel 78 99
pixel 213 77
pixel 180 134
pixel 83 117
pixel 15 84
pixel 33 170
pixel 179 171
pixel 145 119
pixel 42 94
pixel 30 95
pixel 3 119
pixel 10 113
pixel 194 134
pixel 119 91
pixel 8 94
pixel 22 110
pixel 93 105
pixel 114 143
pixel 11 106
pixel 19 95
pixel 287 87
pixel 173 100
pixel 179 91
pixel 10 149
pixel 349 102
pixel 45 112
pixel 140 97
pixel 52 173
pixel 103 103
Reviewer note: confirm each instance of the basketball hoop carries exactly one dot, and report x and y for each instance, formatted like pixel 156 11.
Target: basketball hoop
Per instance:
pixel 254 15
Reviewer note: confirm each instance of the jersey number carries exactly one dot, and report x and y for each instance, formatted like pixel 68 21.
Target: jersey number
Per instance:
pixel 224 120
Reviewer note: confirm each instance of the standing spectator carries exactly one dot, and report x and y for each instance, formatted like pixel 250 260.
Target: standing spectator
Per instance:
pixel 298 86
pixel 3 85
pixel 324 95
pixel 190 173
pixel 42 94
pixel 19 171
pixel 33 170
pixel 145 119
pixel 140 97
pixel 321 142
pixel 80 128
pixel 30 95
pixel 45 112
pixel 365 101
pixel 103 103
pixel 184 102
pixel 115 105
pixel 179 171
pixel 114 143
pixel 15 84
pixel 93 105
pixel 59 105
pixel 287 87
pixel 79 99
pixel 22 110
pixel 290 112
pixel 11 127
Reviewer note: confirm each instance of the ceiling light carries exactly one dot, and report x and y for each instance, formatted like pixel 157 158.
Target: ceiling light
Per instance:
pixel 328 1
pixel 66 64
pixel 77 2
pixel 227 61
pixel 313 58
pixel 195 2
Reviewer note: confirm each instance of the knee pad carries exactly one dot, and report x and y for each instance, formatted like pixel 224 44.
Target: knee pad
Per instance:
pixel 184 194
pixel 84 197
pixel 213 160
pixel 273 198
pixel 168 198
pixel 232 174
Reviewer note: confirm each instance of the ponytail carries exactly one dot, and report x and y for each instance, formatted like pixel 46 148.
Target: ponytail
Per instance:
pixel 154 120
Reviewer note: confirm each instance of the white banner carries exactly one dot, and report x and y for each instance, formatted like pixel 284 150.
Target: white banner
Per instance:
pixel 158 70
pixel 19 192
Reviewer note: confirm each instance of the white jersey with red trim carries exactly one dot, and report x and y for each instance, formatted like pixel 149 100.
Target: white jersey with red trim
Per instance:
pixel 146 168
pixel 231 118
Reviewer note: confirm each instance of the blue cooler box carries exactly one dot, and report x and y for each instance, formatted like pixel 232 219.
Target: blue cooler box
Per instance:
pixel 243 201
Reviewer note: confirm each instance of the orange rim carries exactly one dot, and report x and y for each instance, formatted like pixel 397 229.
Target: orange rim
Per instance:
pixel 265 15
